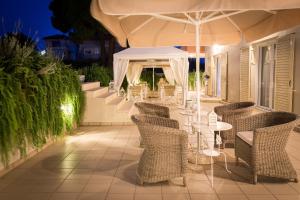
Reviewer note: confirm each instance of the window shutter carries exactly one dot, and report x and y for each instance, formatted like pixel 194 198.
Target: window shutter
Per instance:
pixel 284 70
pixel 244 74
pixel 224 76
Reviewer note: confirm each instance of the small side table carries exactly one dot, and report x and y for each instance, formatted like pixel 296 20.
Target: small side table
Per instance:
pixel 220 126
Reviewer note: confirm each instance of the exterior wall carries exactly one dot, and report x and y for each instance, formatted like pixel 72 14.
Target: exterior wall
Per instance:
pixel 296 102
pixel 233 66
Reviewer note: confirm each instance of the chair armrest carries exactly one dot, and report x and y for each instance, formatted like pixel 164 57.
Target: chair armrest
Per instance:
pixel 219 110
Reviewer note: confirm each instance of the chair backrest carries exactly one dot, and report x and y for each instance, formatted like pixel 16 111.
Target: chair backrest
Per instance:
pixel 135 90
pixel 279 118
pixel 238 107
pixel 152 120
pixel 169 90
pixel 153 109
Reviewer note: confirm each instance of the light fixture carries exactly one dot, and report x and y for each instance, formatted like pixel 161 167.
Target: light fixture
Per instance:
pixel 216 49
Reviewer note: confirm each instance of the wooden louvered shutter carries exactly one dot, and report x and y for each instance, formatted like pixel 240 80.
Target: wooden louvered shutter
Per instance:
pixel 284 70
pixel 224 76
pixel 244 74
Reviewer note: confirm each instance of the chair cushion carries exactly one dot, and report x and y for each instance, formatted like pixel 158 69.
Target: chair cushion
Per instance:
pixel 246 136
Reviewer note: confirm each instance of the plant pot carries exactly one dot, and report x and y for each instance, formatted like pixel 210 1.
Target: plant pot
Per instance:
pixel 81 78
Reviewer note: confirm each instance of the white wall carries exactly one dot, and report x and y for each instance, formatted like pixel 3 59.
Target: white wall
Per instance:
pixel 233 74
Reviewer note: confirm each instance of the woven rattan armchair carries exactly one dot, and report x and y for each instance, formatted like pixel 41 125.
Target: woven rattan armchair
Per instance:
pixel 261 142
pixel 165 149
pixel 230 113
pixel 153 109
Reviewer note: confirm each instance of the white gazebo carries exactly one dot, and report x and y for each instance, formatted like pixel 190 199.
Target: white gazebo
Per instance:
pixel 130 63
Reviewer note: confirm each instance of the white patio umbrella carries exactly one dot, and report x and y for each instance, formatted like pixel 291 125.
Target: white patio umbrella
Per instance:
pixel 145 23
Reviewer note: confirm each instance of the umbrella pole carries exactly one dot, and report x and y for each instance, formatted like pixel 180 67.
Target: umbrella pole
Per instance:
pixel 197 26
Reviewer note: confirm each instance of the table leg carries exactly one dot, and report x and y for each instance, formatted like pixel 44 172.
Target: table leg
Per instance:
pixel 198 146
pixel 212 171
pixel 225 162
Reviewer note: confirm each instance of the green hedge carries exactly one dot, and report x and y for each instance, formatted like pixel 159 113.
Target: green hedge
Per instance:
pixel 40 98
pixel 147 76
pixel 97 73
pixel 192 80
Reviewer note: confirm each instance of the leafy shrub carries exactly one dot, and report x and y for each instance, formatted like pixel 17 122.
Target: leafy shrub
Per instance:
pixel 34 90
pixel 192 80
pixel 97 73
pixel 147 76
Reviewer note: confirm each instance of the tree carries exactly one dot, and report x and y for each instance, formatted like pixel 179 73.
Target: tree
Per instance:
pixel 74 18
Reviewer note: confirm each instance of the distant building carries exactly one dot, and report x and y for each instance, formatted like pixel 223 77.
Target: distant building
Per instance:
pixel 63 48
pixel 89 50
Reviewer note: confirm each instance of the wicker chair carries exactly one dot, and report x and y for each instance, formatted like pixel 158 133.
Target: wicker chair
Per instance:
pixel 261 142
pixel 166 149
pixel 153 109
pixel 230 113
pixel 136 91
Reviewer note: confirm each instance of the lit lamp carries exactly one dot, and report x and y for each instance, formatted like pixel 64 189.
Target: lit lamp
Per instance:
pixel 67 109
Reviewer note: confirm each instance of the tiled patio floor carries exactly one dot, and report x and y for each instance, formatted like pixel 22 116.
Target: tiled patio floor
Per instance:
pixel 100 163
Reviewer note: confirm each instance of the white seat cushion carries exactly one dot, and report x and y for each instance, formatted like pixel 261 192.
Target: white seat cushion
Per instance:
pixel 247 136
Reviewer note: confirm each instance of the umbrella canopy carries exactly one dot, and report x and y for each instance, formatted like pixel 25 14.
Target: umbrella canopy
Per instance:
pixel 165 23
pixel 145 23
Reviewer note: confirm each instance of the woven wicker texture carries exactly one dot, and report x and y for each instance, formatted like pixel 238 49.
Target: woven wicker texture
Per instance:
pixel 169 90
pixel 230 113
pixel 267 156
pixel 153 109
pixel 165 149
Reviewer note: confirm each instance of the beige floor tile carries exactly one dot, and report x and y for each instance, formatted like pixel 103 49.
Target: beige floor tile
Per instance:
pixel 296 186
pixel 120 197
pixel 148 197
pixel 282 188
pixel 288 197
pixel 101 187
pixel 121 187
pixel 64 196
pixel 254 189
pixel 227 188
pixel 180 196
pixel 260 197
pixel 149 189
pixel 232 197
pixel 200 187
pixel 92 196
pixel 204 197
pixel 72 186
pixel 37 196
pixel 171 189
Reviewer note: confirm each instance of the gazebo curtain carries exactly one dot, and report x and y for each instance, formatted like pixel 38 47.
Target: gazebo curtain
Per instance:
pixel 169 75
pixel 180 69
pixel 120 72
pixel 134 73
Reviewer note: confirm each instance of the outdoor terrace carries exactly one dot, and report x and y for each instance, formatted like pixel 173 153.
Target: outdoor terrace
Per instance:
pixel 99 162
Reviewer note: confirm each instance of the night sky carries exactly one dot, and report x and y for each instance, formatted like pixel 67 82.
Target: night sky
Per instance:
pixel 34 16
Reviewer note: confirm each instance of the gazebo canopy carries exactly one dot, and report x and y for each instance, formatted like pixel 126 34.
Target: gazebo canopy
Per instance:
pixel 130 63
pixel 151 53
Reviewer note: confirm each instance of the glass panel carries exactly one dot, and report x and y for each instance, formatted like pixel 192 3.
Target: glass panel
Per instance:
pixel 266 77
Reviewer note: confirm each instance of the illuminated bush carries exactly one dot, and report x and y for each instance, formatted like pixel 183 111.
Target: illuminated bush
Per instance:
pixel 33 92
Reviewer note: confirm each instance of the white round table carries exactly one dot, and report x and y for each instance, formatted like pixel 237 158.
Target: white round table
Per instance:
pixel 220 126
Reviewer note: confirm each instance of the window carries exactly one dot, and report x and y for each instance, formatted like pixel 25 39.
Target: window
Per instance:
pixel 266 76
pixel 55 43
